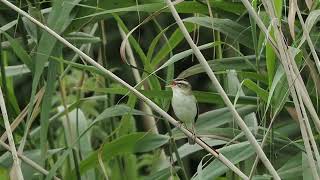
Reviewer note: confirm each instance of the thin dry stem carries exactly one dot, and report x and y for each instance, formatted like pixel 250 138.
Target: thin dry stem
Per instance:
pixel 16 162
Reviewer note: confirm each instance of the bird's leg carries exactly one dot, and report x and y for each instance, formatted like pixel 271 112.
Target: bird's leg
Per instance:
pixel 194 132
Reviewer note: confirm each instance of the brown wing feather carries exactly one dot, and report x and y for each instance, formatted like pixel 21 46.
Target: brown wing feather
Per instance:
pixel 196 118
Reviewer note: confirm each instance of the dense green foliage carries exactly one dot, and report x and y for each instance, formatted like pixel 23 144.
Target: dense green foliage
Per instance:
pixel 78 123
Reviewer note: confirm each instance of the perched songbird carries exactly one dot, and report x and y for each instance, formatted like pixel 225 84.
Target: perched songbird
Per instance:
pixel 184 104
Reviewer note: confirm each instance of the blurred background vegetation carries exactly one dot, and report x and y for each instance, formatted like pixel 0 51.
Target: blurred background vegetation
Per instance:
pixel 77 123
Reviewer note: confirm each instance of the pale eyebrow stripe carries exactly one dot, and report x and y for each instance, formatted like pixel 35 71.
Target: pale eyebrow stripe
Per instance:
pixel 180 79
pixel 182 82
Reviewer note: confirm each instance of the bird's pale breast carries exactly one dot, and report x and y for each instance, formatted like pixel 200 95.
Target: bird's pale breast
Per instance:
pixel 184 107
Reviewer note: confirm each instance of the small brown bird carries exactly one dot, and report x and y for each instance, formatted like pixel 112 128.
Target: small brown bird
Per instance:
pixel 184 104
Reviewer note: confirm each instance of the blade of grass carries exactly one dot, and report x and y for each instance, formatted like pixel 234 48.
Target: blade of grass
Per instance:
pixel 227 27
pixel 7 85
pixel 173 41
pixel 46 108
pixel 19 51
pixel 45 47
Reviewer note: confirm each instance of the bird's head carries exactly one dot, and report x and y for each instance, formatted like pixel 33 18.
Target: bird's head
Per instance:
pixel 181 85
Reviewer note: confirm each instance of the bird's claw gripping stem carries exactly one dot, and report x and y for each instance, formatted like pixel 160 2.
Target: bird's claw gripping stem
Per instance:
pixel 179 124
pixel 194 136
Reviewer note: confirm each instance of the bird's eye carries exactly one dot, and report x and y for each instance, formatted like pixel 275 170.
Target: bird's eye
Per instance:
pixel 180 85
